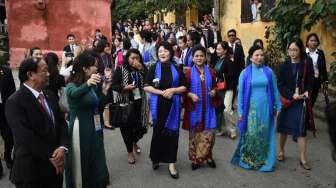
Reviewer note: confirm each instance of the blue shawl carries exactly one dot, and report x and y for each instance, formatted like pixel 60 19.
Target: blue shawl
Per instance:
pixel 173 120
pixel 196 88
pixel 146 57
pixel 246 92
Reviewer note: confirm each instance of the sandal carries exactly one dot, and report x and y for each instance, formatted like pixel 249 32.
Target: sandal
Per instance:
pixel 137 149
pixel 281 157
pixel 131 160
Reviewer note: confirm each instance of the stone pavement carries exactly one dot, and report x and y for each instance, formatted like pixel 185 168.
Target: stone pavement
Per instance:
pixel 287 174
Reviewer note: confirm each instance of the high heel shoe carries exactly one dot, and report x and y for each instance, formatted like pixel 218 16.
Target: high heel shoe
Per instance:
pixel 173 175
pixel 305 165
pixel 281 157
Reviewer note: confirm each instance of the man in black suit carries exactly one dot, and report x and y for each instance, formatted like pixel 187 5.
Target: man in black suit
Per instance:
pixel 39 130
pixel 7 87
pixel 70 48
pixel 236 51
pixel 214 35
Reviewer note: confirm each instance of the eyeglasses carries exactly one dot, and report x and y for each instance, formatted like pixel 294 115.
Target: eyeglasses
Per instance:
pixel 293 50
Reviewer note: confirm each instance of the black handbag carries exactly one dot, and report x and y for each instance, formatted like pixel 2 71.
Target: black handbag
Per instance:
pixel 120 111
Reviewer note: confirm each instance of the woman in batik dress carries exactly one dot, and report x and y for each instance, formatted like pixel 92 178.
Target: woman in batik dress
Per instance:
pixel 200 114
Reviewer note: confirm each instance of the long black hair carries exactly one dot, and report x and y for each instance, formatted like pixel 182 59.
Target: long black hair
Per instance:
pixel 52 61
pixel 83 60
pixel 299 44
pixel 128 54
pixel 313 35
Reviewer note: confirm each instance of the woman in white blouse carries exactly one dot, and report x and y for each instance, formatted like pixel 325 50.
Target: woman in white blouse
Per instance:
pixel 319 62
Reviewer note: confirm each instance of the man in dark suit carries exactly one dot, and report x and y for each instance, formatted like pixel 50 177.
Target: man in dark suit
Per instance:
pixel 236 51
pixel 39 130
pixel 70 48
pixel 7 87
pixel 214 35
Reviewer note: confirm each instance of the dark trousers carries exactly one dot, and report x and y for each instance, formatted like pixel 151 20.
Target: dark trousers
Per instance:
pixel 40 185
pixel 131 135
pixel 133 131
pixel 315 91
pixel 6 134
pixel 54 182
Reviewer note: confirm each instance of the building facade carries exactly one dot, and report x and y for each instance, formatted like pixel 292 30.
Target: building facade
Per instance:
pixel 46 23
pixel 237 14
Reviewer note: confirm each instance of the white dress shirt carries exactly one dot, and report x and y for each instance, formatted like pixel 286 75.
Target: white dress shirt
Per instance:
pixel 215 37
pixel 183 55
pixel 314 55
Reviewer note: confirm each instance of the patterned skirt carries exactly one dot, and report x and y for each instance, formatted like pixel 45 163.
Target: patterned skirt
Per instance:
pixel 200 146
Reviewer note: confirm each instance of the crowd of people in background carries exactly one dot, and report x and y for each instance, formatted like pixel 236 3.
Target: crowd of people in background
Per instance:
pixel 167 75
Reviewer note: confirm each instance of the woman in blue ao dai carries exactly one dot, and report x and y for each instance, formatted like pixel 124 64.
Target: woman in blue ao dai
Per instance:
pixel 258 106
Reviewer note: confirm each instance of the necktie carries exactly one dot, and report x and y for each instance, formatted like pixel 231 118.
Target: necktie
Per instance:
pixel 41 99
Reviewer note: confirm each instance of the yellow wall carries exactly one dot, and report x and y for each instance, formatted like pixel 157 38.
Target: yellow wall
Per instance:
pixel 248 32
pixel 191 17
pixel 169 17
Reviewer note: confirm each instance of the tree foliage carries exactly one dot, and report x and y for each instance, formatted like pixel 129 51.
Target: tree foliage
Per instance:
pixel 141 9
pixel 324 11
pixel 293 16
pixel 129 9
pixel 288 16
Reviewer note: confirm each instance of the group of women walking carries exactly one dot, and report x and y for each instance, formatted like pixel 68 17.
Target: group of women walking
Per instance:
pixel 266 104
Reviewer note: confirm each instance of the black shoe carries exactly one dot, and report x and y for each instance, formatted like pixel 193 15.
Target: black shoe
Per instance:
pixel 109 127
pixel 195 166
pixel 155 166
pixel 305 165
pixel 174 176
pixel 211 163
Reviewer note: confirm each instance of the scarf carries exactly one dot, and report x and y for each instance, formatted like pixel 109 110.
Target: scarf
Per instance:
pixel 246 92
pixel 196 88
pixel 173 120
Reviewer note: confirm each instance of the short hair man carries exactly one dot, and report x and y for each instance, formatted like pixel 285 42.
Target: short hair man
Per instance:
pixel 36 53
pixel 182 44
pixel 39 129
pixel 71 44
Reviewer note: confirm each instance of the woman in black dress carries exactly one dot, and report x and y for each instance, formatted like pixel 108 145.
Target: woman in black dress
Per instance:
pixel 165 82
pixel 128 80
pixel 295 82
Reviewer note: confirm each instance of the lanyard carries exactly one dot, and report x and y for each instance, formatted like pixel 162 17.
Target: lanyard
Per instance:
pixel 135 77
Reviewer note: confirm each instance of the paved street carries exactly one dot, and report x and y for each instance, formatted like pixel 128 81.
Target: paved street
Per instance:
pixel 287 174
